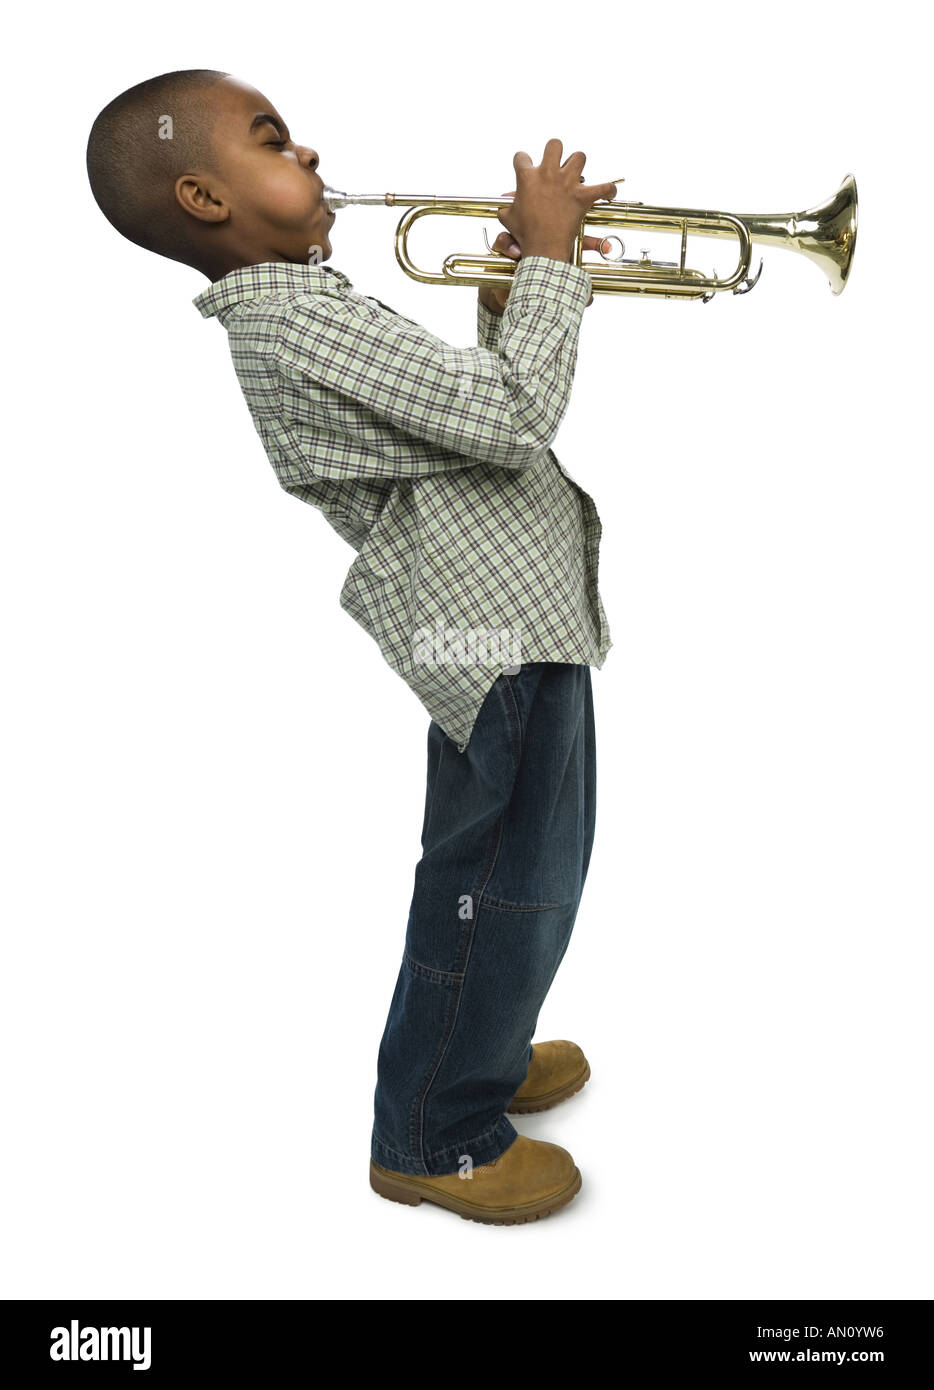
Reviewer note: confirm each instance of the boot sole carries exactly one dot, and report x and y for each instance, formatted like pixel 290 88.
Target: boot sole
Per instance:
pixel 532 1106
pixel 412 1191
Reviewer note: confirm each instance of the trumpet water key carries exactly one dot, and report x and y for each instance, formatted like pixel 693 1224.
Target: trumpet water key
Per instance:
pixel 825 234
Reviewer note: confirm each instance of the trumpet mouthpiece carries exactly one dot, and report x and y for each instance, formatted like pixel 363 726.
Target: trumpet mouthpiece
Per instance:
pixel 334 199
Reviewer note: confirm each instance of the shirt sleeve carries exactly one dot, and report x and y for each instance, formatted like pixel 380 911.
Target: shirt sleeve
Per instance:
pixel 488 327
pixel 350 369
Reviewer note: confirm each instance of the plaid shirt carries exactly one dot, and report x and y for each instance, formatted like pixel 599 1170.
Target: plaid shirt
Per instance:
pixel 476 550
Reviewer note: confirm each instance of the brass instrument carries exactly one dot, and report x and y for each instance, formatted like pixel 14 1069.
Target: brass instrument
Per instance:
pixel 826 234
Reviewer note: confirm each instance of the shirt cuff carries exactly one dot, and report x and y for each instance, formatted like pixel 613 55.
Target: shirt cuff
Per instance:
pixel 564 286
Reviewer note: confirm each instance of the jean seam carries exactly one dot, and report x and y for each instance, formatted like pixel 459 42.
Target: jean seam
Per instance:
pixel 463 1145
pixel 460 1147
pixel 433 785
pixel 519 907
pixel 515 720
pixel 418 1116
pixel 440 977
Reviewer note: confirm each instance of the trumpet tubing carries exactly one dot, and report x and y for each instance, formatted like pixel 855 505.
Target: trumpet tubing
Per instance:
pixel 825 234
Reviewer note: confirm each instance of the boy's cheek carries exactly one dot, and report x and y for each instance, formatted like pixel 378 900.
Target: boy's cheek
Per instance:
pixel 288 200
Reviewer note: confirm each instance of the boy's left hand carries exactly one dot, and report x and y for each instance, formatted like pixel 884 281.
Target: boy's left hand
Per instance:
pixel 493 297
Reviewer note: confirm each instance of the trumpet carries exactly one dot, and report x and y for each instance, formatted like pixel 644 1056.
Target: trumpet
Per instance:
pixel 825 234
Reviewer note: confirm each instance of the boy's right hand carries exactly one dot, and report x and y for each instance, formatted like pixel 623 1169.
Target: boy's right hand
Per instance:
pixel 550 202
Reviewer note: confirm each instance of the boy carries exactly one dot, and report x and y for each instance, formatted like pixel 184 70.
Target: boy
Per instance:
pixel 472 541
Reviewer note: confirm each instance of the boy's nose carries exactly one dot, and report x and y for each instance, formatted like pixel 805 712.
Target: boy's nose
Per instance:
pixel 308 157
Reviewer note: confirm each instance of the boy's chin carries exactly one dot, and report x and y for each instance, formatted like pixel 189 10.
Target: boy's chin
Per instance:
pixel 318 251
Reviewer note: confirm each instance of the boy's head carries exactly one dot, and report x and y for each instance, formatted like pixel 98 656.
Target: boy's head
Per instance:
pixel 200 167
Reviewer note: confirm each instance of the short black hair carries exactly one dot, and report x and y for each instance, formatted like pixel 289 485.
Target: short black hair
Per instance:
pixel 134 157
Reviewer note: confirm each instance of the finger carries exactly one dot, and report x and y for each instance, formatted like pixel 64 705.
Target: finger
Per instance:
pixel 575 162
pixel 507 245
pixel 594 191
pixel 552 153
pixel 521 160
pixel 597 243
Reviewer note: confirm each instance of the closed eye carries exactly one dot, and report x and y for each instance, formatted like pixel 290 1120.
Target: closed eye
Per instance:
pixel 279 144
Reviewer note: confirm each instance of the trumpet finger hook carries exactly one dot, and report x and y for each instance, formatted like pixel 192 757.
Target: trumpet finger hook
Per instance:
pixel 622 249
pixel 492 249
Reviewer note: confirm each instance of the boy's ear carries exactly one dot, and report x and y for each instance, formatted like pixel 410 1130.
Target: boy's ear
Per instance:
pixel 196 198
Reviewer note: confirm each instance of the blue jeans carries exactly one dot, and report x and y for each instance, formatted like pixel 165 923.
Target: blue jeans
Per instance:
pixel 506 843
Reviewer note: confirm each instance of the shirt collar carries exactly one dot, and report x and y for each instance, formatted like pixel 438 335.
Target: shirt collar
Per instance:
pixel 252 281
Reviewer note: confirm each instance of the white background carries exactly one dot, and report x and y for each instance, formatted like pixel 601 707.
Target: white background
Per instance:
pixel 213 784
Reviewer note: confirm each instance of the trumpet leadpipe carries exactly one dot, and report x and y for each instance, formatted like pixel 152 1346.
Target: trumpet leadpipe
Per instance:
pixel 334 200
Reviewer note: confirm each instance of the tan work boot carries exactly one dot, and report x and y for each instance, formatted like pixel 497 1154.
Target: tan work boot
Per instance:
pixel 557 1070
pixel 531 1179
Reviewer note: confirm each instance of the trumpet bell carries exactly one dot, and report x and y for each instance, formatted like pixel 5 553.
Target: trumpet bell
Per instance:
pixel 832 241
pixel 825 234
